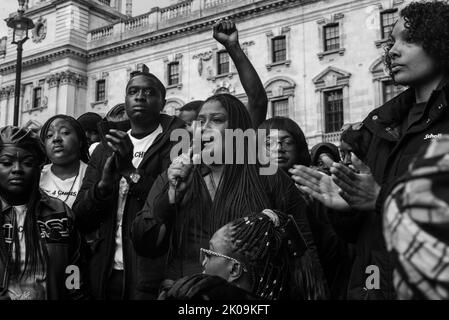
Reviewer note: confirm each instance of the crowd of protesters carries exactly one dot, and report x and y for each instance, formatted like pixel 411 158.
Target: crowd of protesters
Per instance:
pixel 365 219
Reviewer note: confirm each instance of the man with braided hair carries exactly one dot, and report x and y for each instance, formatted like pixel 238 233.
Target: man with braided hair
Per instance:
pixel 260 256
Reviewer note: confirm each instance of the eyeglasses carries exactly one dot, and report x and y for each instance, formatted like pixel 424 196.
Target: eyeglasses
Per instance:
pixel 206 253
pixel 286 144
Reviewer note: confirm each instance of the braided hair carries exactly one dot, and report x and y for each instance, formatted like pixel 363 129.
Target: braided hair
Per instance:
pixel 239 193
pixel 271 247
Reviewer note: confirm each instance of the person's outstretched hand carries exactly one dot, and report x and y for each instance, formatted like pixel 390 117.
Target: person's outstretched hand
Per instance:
pixel 320 186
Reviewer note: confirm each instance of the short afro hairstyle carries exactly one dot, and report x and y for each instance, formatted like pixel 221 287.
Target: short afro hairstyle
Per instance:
pixel 427 24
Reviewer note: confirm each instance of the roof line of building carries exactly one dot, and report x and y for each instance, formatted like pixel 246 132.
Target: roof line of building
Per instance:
pixel 44 57
pixel 159 36
pixel 152 38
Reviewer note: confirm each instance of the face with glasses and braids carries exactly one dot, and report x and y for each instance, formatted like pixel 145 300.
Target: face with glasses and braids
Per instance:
pixel 264 254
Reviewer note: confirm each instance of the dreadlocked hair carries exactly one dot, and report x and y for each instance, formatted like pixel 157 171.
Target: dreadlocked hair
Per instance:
pixel 276 257
pixel 35 252
pixel 240 191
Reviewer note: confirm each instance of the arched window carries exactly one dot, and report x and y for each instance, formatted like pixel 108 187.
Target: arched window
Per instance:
pixel 280 93
pixel 332 85
pixel 384 89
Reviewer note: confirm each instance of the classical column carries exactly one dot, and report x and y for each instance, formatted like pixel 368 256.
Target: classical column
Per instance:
pixel 66 90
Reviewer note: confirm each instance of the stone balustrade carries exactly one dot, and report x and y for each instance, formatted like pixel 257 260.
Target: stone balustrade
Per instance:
pixel 332 137
pixel 178 10
pixel 214 3
pixel 101 33
pixel 164 17
pixel 137 22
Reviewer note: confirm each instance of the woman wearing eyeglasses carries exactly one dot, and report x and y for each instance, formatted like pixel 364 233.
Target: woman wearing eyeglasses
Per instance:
pixel 256 257
pixel 188 204
pixel 286 144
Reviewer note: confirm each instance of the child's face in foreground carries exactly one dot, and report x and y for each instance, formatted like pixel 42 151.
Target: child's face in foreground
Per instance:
pixel 17 167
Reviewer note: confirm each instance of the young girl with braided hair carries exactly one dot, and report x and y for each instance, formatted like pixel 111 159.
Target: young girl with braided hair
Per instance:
pixel 262 255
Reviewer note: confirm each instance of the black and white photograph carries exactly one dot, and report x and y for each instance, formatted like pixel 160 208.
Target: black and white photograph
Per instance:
pixel 227 156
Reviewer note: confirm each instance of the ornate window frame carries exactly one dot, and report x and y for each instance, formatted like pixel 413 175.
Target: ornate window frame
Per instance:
pixel 281 32
pixel 280 92
pixel 389 6
pixel 28 106
pixel 167 61
pixel 335 19
pixel 95 78
pixel 331 79
pixel 215 76
pixel 379 77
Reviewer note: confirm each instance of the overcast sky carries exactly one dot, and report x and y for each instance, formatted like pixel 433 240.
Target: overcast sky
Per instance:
pixel 139 7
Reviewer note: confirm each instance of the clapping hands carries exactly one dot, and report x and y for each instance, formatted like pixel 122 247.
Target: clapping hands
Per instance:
pixel 343 190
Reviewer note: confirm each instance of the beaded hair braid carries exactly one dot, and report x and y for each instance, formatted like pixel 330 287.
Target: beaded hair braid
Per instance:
pixel 261 242
pixel 273 250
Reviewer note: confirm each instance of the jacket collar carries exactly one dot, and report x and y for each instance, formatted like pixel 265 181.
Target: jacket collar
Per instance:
pixel 5 206
pixel 392 114
pixel 395 110
pixel 44 201
pixel 170 121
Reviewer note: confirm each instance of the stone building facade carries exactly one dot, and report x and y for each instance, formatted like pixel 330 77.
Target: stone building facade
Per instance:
pixel 320 60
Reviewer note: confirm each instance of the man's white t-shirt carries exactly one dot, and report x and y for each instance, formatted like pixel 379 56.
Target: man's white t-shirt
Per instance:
pixel 140 148
pixel 65 190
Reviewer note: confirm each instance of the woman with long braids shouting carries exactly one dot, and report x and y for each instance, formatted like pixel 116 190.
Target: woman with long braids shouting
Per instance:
pixel 189 203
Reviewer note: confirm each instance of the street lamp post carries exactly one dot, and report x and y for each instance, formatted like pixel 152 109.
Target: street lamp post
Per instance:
pixel 20 26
